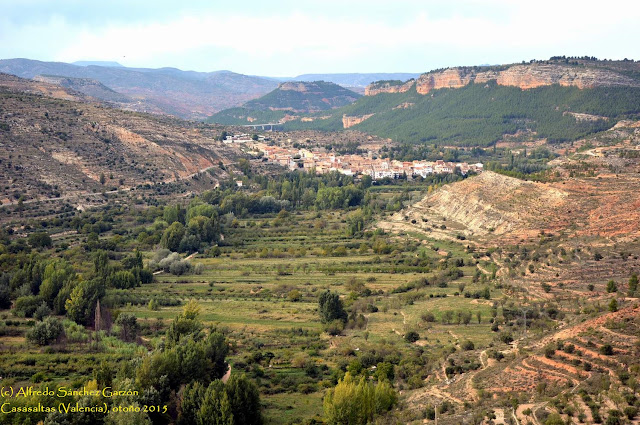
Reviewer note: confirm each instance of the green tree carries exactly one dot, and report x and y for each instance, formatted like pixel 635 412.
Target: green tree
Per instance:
pixel 135 416
pixel 190 404
pixel 81 304
pixel 331 307
pixel 204 228
pixel 56 274
pixel 355 401
pixel 611 286
pixel 40 240
pixel 554 419
pixel 613 305
pixel 172 236
pixel 183 326
pixel 215 408
pixel 129 327
pixel 245 400
pixel 174 213
pixel 5 296
pixel 633 283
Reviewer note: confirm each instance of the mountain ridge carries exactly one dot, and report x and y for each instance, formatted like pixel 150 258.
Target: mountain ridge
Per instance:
pixel 186 94
pixel 479 106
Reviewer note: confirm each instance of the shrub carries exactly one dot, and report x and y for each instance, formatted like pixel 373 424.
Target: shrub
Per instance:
pixel 549 352
pixel 335 327
pixel 42 311
pixel 468 345
pixel 45 332
pixel 506 338
pixel 428 317
pixel 411 336
pixel 606 349
pixel 26 306
pixel 631 412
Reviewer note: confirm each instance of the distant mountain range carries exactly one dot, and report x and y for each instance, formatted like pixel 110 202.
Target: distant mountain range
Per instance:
pixel 186 94
pixel 97 63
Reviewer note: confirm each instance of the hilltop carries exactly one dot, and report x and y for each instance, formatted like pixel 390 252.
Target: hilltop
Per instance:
pixel 360 80
pixel 289 99
pixel 185 94
pixel 557 100
pixel 88 86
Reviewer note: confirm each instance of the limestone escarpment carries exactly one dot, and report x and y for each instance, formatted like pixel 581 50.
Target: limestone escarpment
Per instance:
pixel 351 121
pixel 522 76
pixel 388 87
pixel 449 78
pixel 536 75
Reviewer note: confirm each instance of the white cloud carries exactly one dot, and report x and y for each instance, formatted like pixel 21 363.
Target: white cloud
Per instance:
pixel 417 35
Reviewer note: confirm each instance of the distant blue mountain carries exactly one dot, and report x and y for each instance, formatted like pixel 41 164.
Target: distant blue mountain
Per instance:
pixel 98 63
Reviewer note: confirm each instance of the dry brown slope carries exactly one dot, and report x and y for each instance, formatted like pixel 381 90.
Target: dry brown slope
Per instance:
pixel 487 204
pixel 500 208
pixel 59 146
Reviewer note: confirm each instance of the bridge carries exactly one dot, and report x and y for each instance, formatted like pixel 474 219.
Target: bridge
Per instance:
pixel 268 126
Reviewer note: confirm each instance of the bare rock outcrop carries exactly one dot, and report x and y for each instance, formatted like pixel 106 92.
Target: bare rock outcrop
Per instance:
pixel 449 78
pixel 536 75
pixel 388 87
pixel 522 76
pixel 294 86
pixel 490 203
pixel 348 121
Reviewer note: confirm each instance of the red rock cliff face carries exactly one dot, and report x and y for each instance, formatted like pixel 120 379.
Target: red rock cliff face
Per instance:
pixel 523 76
pixel 351 121
pixel 536 75
pixel 375 88
pixel 449 78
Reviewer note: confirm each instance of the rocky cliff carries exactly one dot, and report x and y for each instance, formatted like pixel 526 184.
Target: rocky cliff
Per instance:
pixel 351 121
pixel 522 76
pixel 536 75
pixel 388 87
pixel 295 86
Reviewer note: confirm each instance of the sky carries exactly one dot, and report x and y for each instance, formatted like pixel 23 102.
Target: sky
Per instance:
pixel 289 38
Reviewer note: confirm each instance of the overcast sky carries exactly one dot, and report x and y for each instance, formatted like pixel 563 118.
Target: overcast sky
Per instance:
pixel 288 38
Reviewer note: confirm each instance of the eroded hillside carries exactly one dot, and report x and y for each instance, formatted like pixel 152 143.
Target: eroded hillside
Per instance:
pixel 493 209
pixel 54 144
